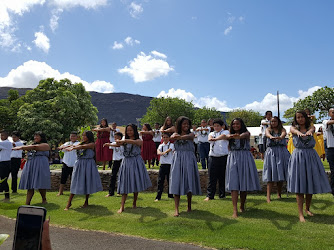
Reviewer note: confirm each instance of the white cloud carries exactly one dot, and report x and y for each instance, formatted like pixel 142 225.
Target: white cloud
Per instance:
pixel 117 45
pixel 227 30
pixel 135 9
pixel 130 41
pixel 303 94
pixel 54 18
pixel 210 102
pixel 241 18
pixel 158 54
pixel 87 4
pixel 42 41
pixel 146 68
pixel 31 72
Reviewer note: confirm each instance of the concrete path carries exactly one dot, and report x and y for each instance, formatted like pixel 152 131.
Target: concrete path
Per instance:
pixel 64 238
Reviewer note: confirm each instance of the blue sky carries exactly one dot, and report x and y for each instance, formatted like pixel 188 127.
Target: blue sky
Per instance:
pixel 222 54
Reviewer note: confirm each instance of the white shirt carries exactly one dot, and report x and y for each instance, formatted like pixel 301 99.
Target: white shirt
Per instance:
pixel 167 158
pixel 5 150
pixel 112 135
pixel 329 134
pixel 218 148
pixel 196 135
pixel 70 157
pixel 117 153
pixel 157 135
pixel 264 127
pixel 203 135
pixel 17 153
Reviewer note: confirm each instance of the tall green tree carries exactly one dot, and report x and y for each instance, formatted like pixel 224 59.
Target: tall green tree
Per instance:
pixel 8 110
pixel 250 117
pixel 319 103
pixel 162 107
pixel 206 113
pixel 56 108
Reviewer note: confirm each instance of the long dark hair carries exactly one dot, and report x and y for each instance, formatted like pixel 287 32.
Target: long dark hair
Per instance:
pixel 165 126
pixel 279 125
pixel 90 136
pixel 43 137
pixel 148 126
pixel 178 124
pixel 103 119
pixel 135 130
pixel 243 128
pixel 307 120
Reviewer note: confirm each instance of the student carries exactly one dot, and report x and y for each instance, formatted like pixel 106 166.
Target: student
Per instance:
pixel 85 178
pixel 276 159
pixel 217 159
pixel 103 154
pixel 133 176
pixel 184 176
pixel 5 153
pixel 193 130
pixel 203 143
pixel 148 150
pixel 168 126
pixel 264 125
pixel 241 172
pixel 329 129
pixel 157 141
pixel 306 172
pixel 113 131
pixel 165 150
pixel 118 155
pixel 69 160
pixel 36 171
pixel 15 161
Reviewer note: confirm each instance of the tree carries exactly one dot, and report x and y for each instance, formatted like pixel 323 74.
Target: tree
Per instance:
pixel 162 107
pixel 56 108
pixel 250 117
pixel 319 102
pixel 206 113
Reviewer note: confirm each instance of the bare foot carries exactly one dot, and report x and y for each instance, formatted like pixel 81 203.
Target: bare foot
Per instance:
pixel 59 194
pixel 176 214
pixel 108 195
pixel 67 207
pixel 268 200
pixel 44 202
pixel 189 210
pixel 84 205
pixel 207 199
pixel 301 218
pixel 308 212
pixel 242 210
pixel 235 215
pixel 120 210
pixel 156 200
pixel 134 206
pixel 279 196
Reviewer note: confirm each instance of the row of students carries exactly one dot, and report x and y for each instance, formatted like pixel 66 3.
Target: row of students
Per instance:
pixel 241 174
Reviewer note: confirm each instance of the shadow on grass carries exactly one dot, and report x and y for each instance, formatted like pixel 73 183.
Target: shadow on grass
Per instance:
pixel 209 219
pixel 279 220
pixel 146 213
pixel 320 204
pixel 93 211
pixel 49 206
pixel 321 219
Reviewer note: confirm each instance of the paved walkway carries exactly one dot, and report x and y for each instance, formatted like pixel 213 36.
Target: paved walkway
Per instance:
pixel 64 238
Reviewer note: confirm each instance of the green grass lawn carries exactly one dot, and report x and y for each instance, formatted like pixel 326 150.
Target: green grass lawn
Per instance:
pixel 262 226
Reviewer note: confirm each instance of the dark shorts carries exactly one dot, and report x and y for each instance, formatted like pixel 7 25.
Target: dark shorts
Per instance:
pixel 261 148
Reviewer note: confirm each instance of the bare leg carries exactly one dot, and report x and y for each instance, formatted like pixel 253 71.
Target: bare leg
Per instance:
pixel 177 204
pixel 149 164
pixel 61 189
pixel 189 196
pixel 235 195
pixel 279 189
pixel 69 203
pixel 86 202
pixel 43 194
pixel 243 196
pixel 135 197
pixel 122 203
pixel 104 165
pixel 30 194
pixel 308 204
pixel 300 202
pixel 269 188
